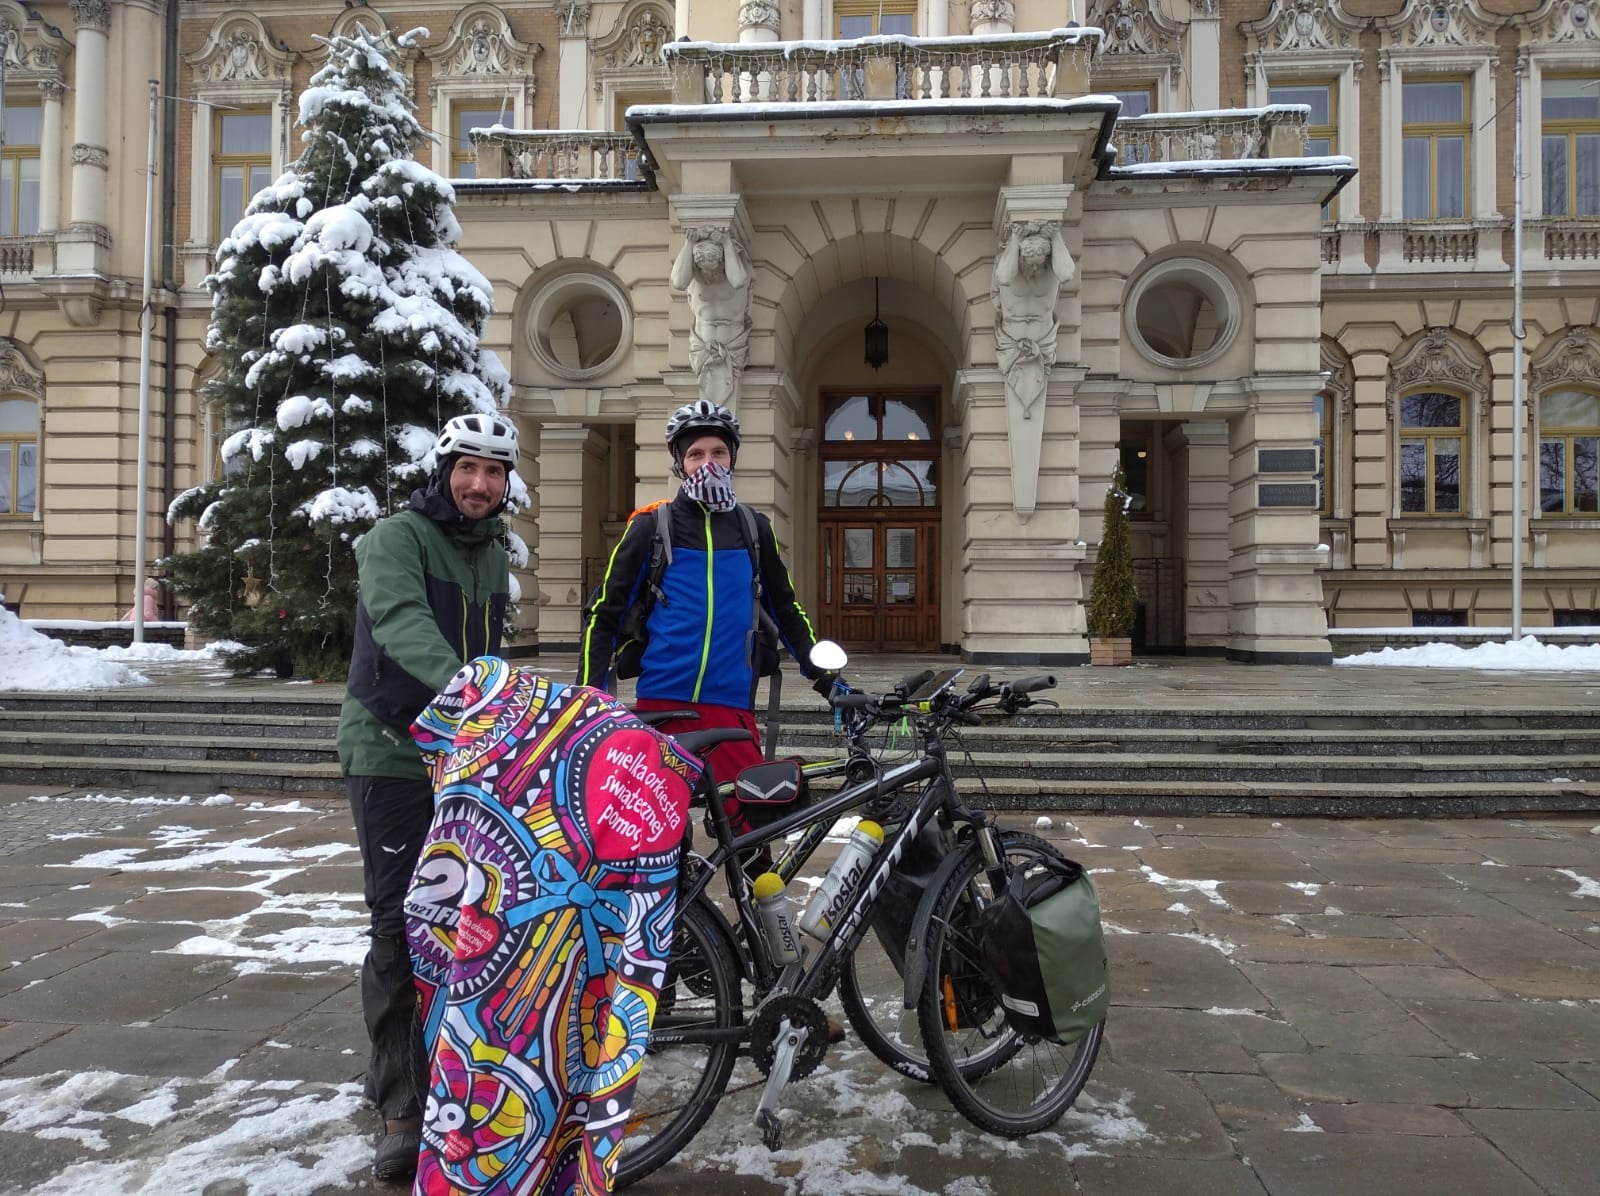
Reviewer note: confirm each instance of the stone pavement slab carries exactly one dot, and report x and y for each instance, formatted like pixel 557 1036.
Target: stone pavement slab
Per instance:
pixel 1362 1012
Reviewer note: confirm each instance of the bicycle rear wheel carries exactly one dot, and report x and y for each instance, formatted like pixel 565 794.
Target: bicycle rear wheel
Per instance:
pixel 681 1082
pixel 1024 1084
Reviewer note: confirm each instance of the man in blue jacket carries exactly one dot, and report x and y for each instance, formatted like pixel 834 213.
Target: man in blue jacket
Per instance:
pixel 705 647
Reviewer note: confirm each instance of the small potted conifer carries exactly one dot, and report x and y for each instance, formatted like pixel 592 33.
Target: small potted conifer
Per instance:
pixel 1113 597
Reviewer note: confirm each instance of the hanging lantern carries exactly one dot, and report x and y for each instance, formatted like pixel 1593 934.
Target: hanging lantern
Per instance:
pixel 877 353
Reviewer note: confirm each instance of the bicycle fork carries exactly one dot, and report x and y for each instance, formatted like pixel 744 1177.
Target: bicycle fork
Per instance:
pixel 790 1039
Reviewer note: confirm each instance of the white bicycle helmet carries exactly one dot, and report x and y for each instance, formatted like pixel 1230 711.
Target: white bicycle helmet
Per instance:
pixel 490 436
pixel 702 415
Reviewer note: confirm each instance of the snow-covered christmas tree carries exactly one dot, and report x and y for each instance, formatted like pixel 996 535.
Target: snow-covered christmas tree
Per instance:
pixel 347 332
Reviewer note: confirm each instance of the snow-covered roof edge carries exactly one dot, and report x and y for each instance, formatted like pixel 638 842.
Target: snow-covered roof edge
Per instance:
pixel 1334 164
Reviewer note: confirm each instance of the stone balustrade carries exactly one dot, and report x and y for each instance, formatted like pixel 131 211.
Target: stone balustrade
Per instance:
pixel 1441 245
pixel 27 255
pixel 1572 241
pixel 1045 65
pixel 1275 131
pixel 556 155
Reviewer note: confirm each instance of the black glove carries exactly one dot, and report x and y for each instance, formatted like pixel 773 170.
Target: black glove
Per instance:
pixel 824 684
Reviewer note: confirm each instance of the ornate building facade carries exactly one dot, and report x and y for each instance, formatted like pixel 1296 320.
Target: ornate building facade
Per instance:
pixel 947 277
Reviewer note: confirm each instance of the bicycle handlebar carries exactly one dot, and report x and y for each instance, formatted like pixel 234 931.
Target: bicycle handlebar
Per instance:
pixel 1028 685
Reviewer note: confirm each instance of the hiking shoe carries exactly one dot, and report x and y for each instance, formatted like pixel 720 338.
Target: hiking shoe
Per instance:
pixel 368 1092
pixel 396 1156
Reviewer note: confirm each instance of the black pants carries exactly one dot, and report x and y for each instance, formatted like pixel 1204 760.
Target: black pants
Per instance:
pixel 391 816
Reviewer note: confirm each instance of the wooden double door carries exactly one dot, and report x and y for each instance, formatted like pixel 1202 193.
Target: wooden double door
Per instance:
pixel 880 580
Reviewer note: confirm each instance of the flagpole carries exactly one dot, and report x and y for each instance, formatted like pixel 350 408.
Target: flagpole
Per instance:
pixel 1518 335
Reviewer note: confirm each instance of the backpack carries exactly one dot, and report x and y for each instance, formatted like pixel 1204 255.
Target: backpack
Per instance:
pixel 762 640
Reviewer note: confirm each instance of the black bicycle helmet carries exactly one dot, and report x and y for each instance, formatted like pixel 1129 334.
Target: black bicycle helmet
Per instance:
pixel 699 417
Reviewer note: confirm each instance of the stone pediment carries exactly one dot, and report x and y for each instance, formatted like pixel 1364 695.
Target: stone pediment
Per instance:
pixel 481 45
pixel 1572 359
pixel 33 49
pixel 636 41
pixel 1134 27
pixel 1446 24
pixel 1564 23
pixel 1302 26
pixel 239 50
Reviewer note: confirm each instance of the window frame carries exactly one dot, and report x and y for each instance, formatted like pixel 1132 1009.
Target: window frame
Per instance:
pixel 1567 434
pixel 1571 129
pixel 1327 132
pixel 1433 132
pixel 462 150
pixel 1461 431
pixel 16 441
pixel 221 160
pixel 13 153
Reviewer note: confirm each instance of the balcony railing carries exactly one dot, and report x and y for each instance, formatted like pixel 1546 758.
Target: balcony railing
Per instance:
pixel 1016 66
pixel 557 155
pixel 23 255
pixel 1566 241
pixel 1439 245
pixel 1276 131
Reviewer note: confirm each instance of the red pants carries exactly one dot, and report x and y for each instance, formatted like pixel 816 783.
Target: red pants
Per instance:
pixel 726 760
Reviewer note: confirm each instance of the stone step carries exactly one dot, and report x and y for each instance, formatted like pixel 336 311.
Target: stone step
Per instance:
pixel 807 714
pixel 1267 796
pixel 229 744
pixel 171 776
pixel 800 737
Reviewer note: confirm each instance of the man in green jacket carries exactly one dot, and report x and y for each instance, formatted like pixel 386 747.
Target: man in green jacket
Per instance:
pixel 434 585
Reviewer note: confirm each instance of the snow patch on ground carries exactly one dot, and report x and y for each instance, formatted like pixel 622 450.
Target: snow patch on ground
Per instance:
pixel 1526 653
pixel 1206 888
pixel 1587 886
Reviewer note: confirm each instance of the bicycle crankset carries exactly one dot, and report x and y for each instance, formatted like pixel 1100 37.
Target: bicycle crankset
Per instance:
pixel 767 1026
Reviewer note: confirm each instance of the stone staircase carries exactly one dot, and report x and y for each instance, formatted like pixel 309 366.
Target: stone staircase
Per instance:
pixel 1289 762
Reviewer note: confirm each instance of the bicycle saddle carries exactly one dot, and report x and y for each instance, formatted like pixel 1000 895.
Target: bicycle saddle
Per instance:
pixel 701 742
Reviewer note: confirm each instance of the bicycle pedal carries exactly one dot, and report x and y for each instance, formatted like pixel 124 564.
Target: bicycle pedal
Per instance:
pixel 771 1128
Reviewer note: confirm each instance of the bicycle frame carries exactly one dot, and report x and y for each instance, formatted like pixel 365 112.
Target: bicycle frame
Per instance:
pixel 811 978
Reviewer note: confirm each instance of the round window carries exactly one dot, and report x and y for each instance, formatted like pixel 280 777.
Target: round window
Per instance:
pixel 579 325
pixel 1183 313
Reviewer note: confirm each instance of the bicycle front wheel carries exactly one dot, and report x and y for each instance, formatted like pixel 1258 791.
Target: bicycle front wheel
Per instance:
pixel 1027 1083
pixel 680 1083
pixel 872 991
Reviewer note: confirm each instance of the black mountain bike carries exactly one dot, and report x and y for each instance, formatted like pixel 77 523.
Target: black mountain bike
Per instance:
pixel 1005 1081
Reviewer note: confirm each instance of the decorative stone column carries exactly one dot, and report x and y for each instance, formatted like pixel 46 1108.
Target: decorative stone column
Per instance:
pixel 572 23
pixel 52 90
pixel 1021 587
pixel 1205 56
pixel 568 455
pixel 1371 477
pixel 991 16
pixel 759 21
pixel 91 160
pixel 1277 614
pixel 1205 550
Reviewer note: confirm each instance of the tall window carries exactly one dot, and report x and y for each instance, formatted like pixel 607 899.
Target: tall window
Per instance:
pixel 1570 145
pixel 241 161
pixel 1569 443
pixel 19 458
pixel 880 450
pixel 19 170
pixel 872 18
pixel 1432 436
pixel 1322 125
pixel 1323 405
pixel 1436 132
pixel 465 118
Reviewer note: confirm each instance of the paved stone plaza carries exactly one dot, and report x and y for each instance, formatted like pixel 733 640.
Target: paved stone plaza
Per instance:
pixel 1301 1007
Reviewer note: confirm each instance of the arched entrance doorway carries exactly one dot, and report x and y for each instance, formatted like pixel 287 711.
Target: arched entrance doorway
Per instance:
pixel 878 526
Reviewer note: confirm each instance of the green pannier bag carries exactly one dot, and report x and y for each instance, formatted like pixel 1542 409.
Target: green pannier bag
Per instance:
pixel 1042 940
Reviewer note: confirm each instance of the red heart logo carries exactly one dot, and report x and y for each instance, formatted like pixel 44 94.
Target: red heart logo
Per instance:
pixel 637 805
pixel 476 933
pixel 457 1146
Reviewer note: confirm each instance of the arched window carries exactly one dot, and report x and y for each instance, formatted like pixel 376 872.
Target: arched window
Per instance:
pixel 1433 437
pixel 19 458
pixel 1569 443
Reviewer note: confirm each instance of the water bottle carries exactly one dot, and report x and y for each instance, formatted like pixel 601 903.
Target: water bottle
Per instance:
pixel 777 918
pixel 828 902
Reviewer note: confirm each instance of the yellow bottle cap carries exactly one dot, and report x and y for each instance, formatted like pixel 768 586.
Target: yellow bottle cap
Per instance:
pixel 766 885
pixel 870 829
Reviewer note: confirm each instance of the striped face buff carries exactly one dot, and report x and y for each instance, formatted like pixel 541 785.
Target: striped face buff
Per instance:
pixel 712 487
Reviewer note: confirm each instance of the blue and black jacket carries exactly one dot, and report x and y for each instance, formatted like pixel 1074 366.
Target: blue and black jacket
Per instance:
pixel 699 648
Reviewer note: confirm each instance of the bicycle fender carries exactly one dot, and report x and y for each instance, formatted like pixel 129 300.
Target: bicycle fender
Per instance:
pixel 916 941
